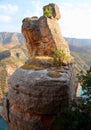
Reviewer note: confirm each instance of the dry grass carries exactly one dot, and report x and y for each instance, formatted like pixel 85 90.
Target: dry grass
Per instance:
pixel 47 58
pixel 30 66
pixel 43 62
pixel 38 63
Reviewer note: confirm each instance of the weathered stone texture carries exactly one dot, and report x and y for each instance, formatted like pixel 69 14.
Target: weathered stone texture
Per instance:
pixel 42 90
pixel 43 35
pixel 35 97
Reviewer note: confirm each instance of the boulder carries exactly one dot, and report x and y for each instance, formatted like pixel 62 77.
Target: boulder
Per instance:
pixel 35 96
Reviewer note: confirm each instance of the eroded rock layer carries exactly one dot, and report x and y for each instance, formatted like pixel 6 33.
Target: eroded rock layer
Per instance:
pixel 35 97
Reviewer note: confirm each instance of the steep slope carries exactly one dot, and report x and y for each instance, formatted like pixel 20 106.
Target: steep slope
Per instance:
pixel 84 53
pixel 81 51
pixel 8 64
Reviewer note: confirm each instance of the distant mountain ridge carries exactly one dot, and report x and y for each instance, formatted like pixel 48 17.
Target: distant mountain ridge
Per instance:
pixel 9 38
pixel 15 37
pixel 78 41
pixel 81 51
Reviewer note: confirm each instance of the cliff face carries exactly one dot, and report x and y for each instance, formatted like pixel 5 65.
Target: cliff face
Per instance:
pixel 39 89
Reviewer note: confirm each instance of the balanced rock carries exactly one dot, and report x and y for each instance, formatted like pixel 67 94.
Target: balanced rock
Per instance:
pixel 43 35
pixel 39 89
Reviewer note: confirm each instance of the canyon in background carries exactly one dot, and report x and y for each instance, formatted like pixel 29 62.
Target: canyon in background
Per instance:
pixel 13 54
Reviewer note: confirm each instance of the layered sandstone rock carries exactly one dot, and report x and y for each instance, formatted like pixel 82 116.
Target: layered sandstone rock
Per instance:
pixel 43 35
pixel 35 97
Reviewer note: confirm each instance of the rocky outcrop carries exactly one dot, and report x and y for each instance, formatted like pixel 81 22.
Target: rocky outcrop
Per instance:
pixel 35 97
pixel 43 35
pixel 40 89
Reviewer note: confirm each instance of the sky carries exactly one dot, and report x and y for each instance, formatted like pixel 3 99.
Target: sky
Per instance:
pixel 75 15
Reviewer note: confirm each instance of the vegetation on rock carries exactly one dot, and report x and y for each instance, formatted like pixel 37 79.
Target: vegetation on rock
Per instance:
pixel 48 11
pixel 59 57
pixel 3 75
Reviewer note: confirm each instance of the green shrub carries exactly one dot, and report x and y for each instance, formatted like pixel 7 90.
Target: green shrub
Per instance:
pixel 48 11
pixel 59 57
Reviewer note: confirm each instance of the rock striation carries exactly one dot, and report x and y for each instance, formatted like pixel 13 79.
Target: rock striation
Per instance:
pixel 39 89
pixel 43 35
pixel 35 97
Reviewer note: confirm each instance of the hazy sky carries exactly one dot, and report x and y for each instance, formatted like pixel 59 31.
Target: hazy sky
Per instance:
pixel 75 15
